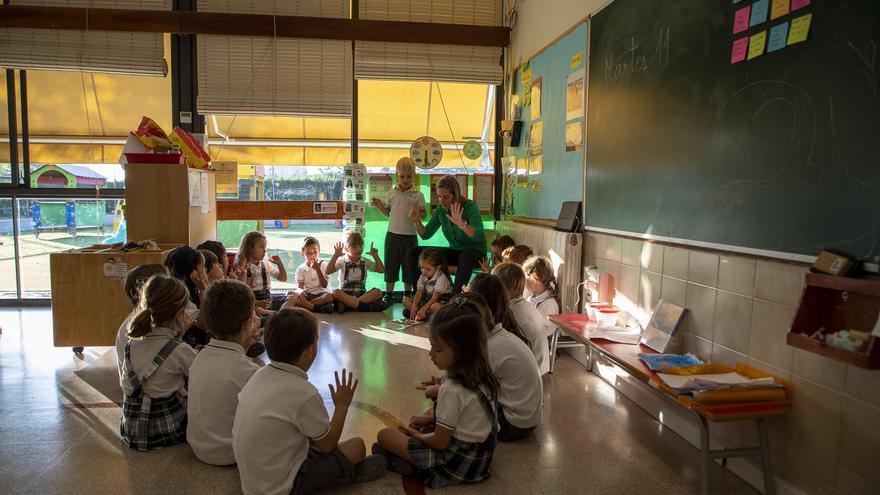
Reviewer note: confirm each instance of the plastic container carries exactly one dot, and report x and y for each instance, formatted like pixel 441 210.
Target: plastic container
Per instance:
pixel 607 317
pixel 593 307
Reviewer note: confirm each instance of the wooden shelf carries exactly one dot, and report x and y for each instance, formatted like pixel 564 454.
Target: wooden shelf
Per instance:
pixel 870 286
pixel 860 359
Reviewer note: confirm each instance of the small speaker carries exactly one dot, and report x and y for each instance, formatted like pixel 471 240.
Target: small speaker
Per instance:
pixel 570 217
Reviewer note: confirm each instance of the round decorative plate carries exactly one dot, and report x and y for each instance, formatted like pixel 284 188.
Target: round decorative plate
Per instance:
pixel 472 150
pixel 426 152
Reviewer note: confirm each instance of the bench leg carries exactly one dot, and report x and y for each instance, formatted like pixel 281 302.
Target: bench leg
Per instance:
pixel 705 456
pixel 769 483
pixel 554 341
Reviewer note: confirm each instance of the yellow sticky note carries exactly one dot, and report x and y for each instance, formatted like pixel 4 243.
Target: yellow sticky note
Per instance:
pixel 525 76
pixel 757 42
pixel 800 28
pixel 576 60
pixel 779 8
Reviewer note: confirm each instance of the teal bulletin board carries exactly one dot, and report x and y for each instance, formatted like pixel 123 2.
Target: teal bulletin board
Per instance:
pixel 562 175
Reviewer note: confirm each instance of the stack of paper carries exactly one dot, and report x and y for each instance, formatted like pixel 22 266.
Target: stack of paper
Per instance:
pixel 621 335
pixel 691 383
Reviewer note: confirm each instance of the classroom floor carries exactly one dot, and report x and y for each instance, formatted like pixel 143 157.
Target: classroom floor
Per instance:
pixel 59 422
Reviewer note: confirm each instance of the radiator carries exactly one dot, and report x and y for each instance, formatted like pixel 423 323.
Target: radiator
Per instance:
pixel 562 248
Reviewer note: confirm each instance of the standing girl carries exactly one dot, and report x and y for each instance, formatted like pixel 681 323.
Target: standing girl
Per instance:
pixel 311 279
pixel 260 272
pixel 432 289
pixel 156 363
pixel 464 420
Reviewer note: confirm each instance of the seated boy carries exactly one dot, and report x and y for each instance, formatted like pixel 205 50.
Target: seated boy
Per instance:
pixel 220 370
pixel 283 438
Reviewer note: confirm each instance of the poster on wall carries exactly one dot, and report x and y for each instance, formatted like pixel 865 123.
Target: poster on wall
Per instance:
pixel 574 95
pixel 536 99
pixel 195 186
pixel 483 192
pixel 536 165
pixel 226 174
pixel 574 136
pixel 522 172
pixel 380 186
pixel 536 138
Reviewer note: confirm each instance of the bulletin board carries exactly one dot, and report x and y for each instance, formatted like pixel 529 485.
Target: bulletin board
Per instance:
pixel 555 171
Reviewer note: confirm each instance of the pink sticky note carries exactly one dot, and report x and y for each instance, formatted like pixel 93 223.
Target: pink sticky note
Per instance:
pixel 740 50
pixel 741 19
pixel 797 4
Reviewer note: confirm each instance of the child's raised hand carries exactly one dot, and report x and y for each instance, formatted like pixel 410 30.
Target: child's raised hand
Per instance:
pixel 484 265
pixel 414 213
pixel 343 394
pixel 432 391
pixel 337 249
pixel 378 203
pixel 200 278
pixel 276 259
pixel 373 251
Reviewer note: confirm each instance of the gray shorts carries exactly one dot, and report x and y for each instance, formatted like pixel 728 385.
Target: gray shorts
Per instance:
pixel 396 247
pixel 320 470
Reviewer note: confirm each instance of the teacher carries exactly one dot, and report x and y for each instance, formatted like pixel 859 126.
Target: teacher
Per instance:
pixel 460 220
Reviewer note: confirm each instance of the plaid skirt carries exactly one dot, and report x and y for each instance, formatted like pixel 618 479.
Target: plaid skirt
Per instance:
pixel 460 462
pixel 149 423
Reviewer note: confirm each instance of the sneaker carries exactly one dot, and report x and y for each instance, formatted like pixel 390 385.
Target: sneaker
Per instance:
pixel 256 350
pixel 324 308
pixel 381 305
pixel 394 462
pixel 372 468
pixel 406 313
pixel 339 307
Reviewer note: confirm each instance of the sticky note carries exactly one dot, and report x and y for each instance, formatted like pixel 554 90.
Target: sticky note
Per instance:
pixel 799 4
pixel 757 42
pixel 739 51
pixel 778 37
pixel 779 8
pixel 800 28
pixel 741 19
pixel 759 12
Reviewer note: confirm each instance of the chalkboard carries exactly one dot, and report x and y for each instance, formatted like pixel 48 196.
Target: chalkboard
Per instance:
pixel 779 153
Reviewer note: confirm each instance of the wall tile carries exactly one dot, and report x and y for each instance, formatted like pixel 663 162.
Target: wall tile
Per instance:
pixel 649 290
pixel 700 302
pixel 820 369
pixel 613 268
pixel 770 324
pixel 816 414
pixel 631 252
pixel 850 483
pixel 652 257
pixel 733 321
pixel 779 282
pixel 703 268
pixel 769 368
pixel 613 248
pixel 674 290
pixel 629 283
pixel 737 274
pixel 699 346
pixel 863 384
pixel 805 470
pixel 675 262
pixel 860 442
pixel 727 357
pixel 596 245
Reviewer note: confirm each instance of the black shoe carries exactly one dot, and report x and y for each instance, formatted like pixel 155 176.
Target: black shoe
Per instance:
pixel 381 305
pixel 406 313
pixel 339 307
pixel 372 468
pixel 395 463
pixel 256 350
pixel 324 308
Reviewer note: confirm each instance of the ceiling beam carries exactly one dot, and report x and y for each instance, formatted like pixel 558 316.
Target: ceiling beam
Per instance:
pixel 183 22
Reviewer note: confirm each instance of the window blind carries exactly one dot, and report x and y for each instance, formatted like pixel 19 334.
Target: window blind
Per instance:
pixel 90 51
pixel 274 76
pixel 428 62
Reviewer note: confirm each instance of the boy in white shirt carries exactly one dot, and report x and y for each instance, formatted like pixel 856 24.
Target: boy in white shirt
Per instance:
pixel 401 236
pixel 353 267
pixel 527 317
pixel 221 370
pixel 283 438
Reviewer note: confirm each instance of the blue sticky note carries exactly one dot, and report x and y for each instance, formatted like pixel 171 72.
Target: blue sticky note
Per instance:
pixel 778 37
pixel 760 10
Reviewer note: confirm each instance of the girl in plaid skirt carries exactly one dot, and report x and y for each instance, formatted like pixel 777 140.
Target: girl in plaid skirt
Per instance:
pixel 155 366
pixel 454 441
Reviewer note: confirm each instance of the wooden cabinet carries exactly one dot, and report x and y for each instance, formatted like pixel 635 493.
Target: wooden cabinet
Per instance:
pixel 88 296
pixel 157 204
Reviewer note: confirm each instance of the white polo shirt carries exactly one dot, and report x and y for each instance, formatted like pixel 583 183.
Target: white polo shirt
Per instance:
pixel 438 283
pixel 354 273
pixel 309 278
pixel 532 324
pixel 216 377
pixel 278 412
pixel 169 377
pixel 522 390
pixel 256 277
pixel 459 409
pixel 399 203
pixel 546 304
pixel 121 340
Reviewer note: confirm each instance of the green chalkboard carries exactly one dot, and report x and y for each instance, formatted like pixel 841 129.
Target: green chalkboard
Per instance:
pixel 778 153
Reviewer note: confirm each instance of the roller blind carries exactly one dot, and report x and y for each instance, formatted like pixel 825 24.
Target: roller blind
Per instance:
pixel 90 51
pixel 245 75
pixel 427 62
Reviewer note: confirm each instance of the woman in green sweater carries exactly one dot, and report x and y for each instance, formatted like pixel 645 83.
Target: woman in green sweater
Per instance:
pixel 459 219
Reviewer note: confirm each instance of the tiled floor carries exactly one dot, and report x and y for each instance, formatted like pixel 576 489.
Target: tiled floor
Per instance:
pixel 59 422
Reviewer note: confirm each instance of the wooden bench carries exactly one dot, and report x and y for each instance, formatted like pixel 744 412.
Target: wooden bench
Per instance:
pixel 626 356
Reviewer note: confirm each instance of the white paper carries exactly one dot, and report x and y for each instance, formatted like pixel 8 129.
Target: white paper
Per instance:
pixel 483 188
pixel 324 207
pixel 205 193
pixel 132 145
pixel 685 383
pixel 195 198
pixel 574 95
pixel 616 334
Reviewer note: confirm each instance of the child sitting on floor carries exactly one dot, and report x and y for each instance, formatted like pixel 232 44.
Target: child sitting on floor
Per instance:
pixel 156 363
pixel 213 268
pixel 541 285
pixel 517 254
pixel 188 265
pixel 526 316
pixel 134 284
pixel 312 293
pixel 260 272
pixel 284 440
pixel 456 443
pixel 221 370
pixel 433 288
pixel 497 247
pixel 352 292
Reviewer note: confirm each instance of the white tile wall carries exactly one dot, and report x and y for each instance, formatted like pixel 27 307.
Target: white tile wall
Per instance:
pixel 740 310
